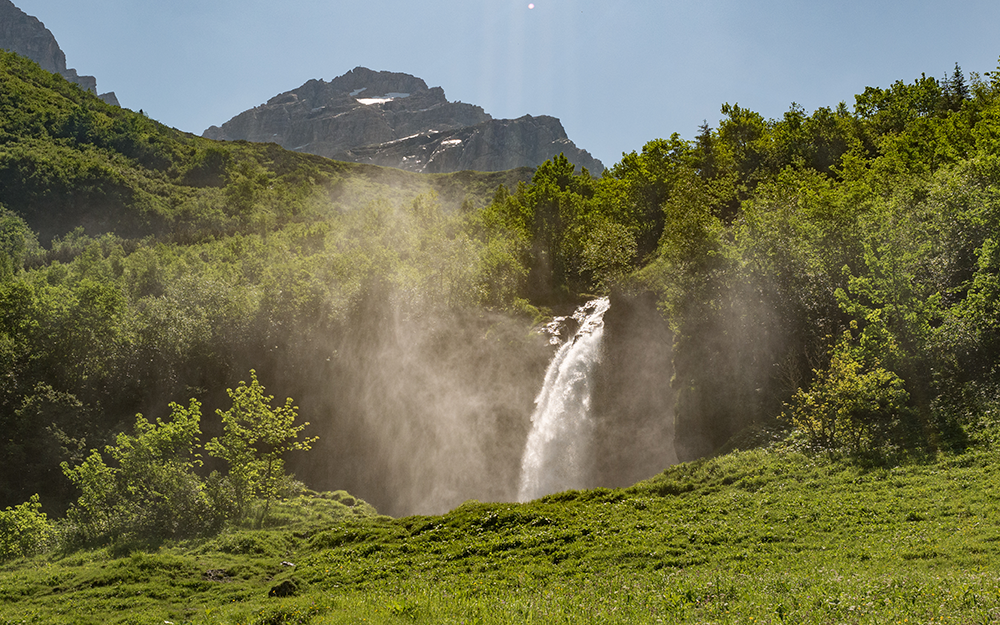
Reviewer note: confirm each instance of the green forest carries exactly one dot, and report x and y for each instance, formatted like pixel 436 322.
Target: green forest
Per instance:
pixel 829 282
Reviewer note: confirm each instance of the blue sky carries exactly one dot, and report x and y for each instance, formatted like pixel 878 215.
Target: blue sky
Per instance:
pixel 617 73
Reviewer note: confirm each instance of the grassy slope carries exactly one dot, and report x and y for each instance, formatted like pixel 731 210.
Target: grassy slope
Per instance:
pixel 765 536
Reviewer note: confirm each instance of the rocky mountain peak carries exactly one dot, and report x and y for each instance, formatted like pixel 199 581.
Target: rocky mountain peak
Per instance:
pixel 364 82
pixel 395 120
pixel 26 35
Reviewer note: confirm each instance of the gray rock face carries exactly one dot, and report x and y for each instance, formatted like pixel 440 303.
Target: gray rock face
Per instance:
pixel 110 98
pixel 25 35
pixel 395 120
pixel 493 145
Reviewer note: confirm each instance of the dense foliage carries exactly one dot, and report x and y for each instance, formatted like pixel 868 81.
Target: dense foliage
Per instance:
pixel 835 274
pixel 836 268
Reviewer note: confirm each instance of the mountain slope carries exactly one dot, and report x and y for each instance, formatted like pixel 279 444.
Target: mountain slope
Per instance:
pixel 68 159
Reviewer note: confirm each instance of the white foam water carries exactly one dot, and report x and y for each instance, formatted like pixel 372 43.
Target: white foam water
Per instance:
pixel 557 453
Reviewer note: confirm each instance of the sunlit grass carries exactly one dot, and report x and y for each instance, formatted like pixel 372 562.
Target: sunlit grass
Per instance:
pixel 751 537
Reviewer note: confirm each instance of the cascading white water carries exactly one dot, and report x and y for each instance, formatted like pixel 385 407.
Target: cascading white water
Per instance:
pixel 556 454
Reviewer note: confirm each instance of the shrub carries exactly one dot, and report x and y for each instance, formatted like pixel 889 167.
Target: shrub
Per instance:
pixel 24 530
pixel 152 493
pixel 851 405
pixel 256 436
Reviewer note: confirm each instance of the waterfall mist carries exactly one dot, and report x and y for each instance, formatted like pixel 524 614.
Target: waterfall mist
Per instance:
pixel 421 409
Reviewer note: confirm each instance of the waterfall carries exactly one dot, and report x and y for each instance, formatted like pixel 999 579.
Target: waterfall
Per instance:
pixel 556 455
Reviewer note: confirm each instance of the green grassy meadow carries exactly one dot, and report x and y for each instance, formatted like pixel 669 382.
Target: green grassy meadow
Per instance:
pixel 768 535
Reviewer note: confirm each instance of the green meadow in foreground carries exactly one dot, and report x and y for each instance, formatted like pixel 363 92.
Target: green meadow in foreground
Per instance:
pixel 767 535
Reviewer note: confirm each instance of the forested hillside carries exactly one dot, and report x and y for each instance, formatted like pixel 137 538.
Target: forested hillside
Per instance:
pixel 141 265
pixel 831 276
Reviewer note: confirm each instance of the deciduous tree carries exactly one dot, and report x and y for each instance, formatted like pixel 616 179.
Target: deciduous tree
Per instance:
pixel 255 439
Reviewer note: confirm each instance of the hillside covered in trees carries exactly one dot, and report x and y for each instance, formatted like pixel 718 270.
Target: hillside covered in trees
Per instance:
pixel 831 277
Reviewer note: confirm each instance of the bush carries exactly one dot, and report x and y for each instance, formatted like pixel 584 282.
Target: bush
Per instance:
pixel 256 435
pixel 849 404
pixel 152 494
pixel 24 530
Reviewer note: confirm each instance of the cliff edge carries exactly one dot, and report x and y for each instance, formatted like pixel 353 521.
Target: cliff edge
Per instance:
pixel 26 35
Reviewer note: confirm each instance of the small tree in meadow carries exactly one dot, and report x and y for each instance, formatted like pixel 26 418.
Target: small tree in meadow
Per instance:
pixel 24 529
pixel 255 438
pixel 851 404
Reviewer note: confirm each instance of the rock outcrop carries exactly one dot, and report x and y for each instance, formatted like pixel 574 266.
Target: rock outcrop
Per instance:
pixel 395 120
pixel 493 145
pixel 25 35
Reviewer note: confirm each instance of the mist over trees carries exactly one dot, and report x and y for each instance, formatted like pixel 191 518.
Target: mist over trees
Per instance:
pixel 822 272
pixel 831 276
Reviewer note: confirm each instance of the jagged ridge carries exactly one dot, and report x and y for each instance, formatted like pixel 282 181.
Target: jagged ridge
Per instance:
pixel 395 120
